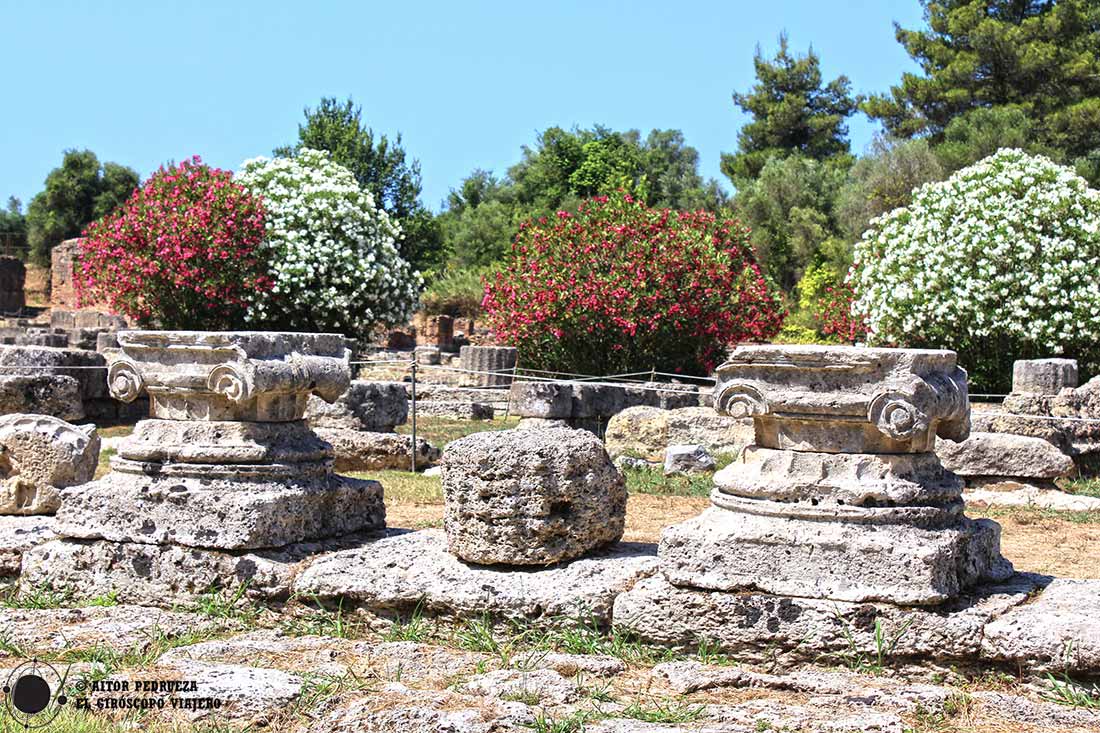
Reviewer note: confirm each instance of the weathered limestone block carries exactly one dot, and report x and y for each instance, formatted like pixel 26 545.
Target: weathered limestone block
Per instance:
pixel 639 432
pixel 1057 632
pixel 86 367
pixel 408 570
pixel 454 409
pixel 233 511
pixel 488 366
pixel 12 275
pixel 1004 454
pixel 547 400
pixel 767 628
pixel 530 497
pixel 840 497
pixel 838 399
pixel 40 455
pixel 597 400
pixel 1044 376
pixel 356 450
pixel 703 425
pixel 889 558
pixel 62 288
pixel 165 576
pixel 375 407
pixel 19 534
pixel 57 395
pixel 427 355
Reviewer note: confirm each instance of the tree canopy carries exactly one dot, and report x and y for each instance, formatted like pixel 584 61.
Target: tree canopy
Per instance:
pixel 793 111
pixel 981 58
pixel 76 193
pixel 380 165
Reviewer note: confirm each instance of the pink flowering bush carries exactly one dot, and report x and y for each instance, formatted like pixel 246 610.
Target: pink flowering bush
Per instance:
pixel 619 287
pixel 182 252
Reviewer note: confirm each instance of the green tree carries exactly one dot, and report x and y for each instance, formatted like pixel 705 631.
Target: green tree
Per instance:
pixel 792 112
pixel 882 180
pixel 381 166
pixel 13 226
pixel 77 193
pixel 484 213
pixel 1036 56
pixel 789 208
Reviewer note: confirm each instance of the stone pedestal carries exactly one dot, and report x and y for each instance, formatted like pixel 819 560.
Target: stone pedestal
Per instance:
pixel 841 497
pixel 227 463
pixel 488 366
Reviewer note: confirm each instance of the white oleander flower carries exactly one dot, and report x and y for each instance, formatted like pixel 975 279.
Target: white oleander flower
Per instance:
pixel 334 253
pixel 1007 248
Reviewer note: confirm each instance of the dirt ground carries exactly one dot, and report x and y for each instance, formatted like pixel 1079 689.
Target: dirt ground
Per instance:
pixel 1038 542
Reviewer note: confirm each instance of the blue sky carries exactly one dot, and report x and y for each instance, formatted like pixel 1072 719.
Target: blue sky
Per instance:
pixel 466 83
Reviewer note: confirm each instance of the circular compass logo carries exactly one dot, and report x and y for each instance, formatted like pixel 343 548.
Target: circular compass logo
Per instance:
pixel 33 695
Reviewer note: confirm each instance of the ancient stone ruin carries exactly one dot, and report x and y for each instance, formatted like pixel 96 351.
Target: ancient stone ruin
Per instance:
pixel 13 273
pixel 39 456
pixel 841 496
pixel 523 497
pixel 226 464
pixel 839 523
pixel 590 405
pixel 360 426
pixel 488 366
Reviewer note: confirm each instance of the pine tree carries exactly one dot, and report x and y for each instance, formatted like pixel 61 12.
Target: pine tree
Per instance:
pixel 792 111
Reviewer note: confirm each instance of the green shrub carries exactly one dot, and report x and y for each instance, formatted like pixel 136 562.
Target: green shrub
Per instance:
pixel 456 293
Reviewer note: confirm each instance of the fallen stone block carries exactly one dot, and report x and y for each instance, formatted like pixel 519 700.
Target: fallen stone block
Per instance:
pixel 375 407
pixel 57 395
pixel 757 626
pixel 404 571
pixel 169 575
pixel 212 512
pixel 530 497
pixel 39 456
pixel 453 409
pixel 360 451
pixel 19 534
pixel 1056 632
pixel 88 368
pixel 1003 454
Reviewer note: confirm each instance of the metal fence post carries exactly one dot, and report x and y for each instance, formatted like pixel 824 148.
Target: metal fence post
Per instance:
pixel 412 450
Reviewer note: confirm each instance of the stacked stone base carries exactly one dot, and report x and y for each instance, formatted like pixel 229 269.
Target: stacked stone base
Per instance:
pixel 220 513
pixel 723 550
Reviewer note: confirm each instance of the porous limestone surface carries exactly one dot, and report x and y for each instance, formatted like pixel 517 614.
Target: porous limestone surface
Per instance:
pixel 842 399
pixel 845 561
pixel 1044 376
pixel 19 534
pixel 356 450
pixel 86 367
pixel 228 512
pixel 375 407
pixel 57 395
pixel 117 628
pixel 759 626
pixel 1007 493
pixel 845 479
pixel 223 442
pixel 169 575
pixel 453 409
pixel 40 455
pixel 530 497
pixel 1058 631
pixel 1003 454
pixel 407 570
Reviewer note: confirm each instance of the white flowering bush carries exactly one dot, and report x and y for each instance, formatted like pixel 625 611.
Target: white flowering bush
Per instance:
pixel 332 253
pixel 999 262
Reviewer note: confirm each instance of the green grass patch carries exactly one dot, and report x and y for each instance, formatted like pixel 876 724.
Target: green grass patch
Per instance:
pixel 653 481
pixel 406 487
pixel 441 430
pixel 1084 487
pixel 1032 515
